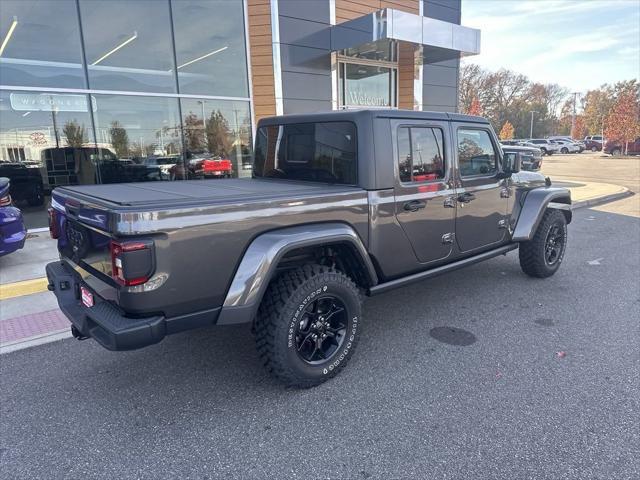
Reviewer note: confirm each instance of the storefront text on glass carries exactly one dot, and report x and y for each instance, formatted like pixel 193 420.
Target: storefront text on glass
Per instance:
pixel 359 97
pixel 50 102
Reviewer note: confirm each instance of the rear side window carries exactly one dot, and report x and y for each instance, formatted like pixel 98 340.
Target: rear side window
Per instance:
pixel 315 152
pixel 476 155
pixel 420 154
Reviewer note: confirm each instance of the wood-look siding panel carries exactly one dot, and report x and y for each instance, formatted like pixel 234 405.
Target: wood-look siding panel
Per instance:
pixel 260 44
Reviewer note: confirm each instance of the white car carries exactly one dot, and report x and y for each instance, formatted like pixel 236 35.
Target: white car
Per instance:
pixel 581 145
pixel 567 146
pixel 544 144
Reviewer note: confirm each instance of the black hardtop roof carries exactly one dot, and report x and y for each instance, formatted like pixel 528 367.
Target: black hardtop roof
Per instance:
pixel 360 114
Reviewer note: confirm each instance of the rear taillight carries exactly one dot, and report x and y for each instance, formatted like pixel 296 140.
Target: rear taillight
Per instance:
pixel 5 201
pixel 131 262
pixel 54 228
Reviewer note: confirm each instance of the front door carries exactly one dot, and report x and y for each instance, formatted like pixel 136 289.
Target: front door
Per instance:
pixel 424 194
pixel 482 198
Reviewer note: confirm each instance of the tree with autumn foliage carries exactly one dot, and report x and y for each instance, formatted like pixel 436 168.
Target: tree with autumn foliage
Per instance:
pixel 475 108
pixel 623 121
pixel 506 133
pixel 579 130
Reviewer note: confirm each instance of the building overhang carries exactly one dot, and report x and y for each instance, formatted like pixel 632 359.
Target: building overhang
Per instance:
pixel 441 39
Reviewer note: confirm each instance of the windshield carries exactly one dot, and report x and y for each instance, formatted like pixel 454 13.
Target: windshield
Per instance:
pixel 316 152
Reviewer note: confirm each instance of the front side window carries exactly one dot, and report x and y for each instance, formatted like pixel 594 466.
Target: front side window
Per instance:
pixel 476 155
pixel 420 154
pixel 315 152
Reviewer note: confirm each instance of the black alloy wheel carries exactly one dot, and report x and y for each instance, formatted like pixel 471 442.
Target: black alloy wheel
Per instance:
pixel 554 244
pixel 321 330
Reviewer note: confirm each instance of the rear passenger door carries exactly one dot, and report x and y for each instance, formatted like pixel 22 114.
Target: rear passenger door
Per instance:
pixel 424 194
pixel 482 198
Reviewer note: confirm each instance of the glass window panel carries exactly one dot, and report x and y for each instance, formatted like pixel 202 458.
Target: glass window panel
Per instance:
pixel 221 145
pixel 41 44
pixel 426 148
pixel 140 138
pixel 45 142
pixel 315 152
pixel 368 85
pixel 476 155
pixel 128 45
pixel 381 50
pixel 210 47
pixel 404 154
pixel 420 154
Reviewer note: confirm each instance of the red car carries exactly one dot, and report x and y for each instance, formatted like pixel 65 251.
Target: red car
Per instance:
pixel 215 167
pixel 614 147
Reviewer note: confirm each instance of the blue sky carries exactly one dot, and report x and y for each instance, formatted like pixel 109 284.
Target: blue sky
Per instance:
pixel 579 44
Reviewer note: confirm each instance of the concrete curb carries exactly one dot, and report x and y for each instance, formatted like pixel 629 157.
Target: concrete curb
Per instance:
pixel 36 340
pixel 591 202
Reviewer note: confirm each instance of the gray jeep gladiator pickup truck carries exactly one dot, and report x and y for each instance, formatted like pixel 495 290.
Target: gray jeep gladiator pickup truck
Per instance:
pixel 340 205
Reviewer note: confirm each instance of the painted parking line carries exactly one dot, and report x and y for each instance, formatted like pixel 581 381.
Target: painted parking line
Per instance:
pixel 26 287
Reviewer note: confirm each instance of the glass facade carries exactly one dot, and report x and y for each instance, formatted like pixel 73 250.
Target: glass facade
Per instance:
pixel 109 91
pixel 368 75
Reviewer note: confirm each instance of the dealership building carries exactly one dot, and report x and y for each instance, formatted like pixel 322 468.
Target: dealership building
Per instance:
pixel 106 91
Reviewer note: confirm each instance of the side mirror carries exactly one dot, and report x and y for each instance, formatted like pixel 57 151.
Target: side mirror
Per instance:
pixel 511 163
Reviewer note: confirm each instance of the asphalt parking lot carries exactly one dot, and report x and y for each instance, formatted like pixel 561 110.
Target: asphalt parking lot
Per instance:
pixel 482 373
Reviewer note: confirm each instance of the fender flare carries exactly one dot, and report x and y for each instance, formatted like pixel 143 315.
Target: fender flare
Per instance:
pixel 260 260
pixel 534 206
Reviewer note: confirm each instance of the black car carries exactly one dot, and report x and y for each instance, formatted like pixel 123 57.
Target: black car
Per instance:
pixel 26 181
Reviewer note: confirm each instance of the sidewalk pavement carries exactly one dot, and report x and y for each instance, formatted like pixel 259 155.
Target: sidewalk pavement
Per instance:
pixel 29 314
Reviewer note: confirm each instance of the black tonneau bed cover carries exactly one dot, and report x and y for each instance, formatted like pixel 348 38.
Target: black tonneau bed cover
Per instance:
pixel 197 192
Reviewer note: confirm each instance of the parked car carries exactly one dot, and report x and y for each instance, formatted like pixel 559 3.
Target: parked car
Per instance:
pixel 215 167
pixel 579 144
pixel 545 145
pixel 531 157
pixel 159 168
pixel 12 230
pixel 26 182
pixel 614 147
pixel 593 143
pixel 334 210
pixel 566 146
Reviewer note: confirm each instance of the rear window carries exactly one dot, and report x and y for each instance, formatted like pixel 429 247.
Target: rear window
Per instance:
pixel 315 152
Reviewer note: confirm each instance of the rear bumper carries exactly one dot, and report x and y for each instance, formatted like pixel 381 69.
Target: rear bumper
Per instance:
pixel 106 324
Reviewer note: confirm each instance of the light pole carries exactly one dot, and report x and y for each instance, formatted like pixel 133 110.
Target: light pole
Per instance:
pixel 531 128
pixel 204 125
pixel 573 117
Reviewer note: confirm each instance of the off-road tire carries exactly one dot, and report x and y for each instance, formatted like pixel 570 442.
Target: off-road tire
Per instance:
pixel 280 314
pixel 532 253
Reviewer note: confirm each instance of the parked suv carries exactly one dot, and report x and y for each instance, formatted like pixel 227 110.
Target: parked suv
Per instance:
pixel 26 182
pixel 593 143
pixel 341 205
pixel 544 144
pixel 615 147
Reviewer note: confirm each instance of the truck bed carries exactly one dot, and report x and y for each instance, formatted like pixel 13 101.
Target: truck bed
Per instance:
pixel 168 195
